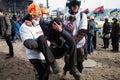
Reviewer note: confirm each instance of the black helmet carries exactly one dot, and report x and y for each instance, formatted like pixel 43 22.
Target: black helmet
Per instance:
pixel 75 2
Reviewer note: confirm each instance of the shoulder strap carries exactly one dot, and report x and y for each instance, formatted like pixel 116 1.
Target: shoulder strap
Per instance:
pixel 81 15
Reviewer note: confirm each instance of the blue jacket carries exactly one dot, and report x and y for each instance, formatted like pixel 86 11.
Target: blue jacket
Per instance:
pixel 17 27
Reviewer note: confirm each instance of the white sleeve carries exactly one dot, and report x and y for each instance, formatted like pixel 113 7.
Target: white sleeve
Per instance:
pixel 25 33
pixel 84 22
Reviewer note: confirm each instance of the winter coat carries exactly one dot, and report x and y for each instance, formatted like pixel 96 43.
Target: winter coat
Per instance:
pixel 106 28
pixel 5 25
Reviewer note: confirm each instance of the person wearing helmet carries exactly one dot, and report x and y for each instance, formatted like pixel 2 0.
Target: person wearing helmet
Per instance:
pixel 45 14
pixel 76 24
pixel 44 11
pixel 90 34
pixel 36 45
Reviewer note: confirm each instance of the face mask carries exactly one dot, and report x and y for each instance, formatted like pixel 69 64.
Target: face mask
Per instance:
pixel 35 23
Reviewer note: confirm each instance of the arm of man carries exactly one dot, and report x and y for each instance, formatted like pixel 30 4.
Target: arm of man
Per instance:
pixel 62 31
pixel 30 44
pixel 80 35
pixel 27 39
pixel 82 29
pixel 8 24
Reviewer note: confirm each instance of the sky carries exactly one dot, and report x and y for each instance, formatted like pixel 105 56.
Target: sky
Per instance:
pixel 91 4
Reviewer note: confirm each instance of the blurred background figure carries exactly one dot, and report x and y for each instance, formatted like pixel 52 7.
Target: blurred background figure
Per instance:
pixel 90 34
pixel 115 35
pixel 6 32
pixel 96 29
pixel 106 33
pixel 16 29
pixel 45 13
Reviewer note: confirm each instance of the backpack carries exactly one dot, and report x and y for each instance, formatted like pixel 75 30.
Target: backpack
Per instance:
pixel 90 29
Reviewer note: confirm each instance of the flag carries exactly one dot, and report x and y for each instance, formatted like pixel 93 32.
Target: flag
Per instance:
pixel 99 9
pixel 86 11
pixel 97 16
pixel 118 11
pixel 114 12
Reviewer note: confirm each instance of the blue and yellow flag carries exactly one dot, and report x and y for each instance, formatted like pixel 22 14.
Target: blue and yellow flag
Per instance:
pixel 119 11
pixel 114 12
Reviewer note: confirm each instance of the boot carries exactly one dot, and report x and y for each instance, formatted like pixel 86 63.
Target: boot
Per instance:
pixel 55 67
pixel 74 71
pixel 77 76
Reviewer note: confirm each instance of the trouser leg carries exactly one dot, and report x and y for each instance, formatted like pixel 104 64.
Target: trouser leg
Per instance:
pixel 90 44
pixel 94 40
pixel 67 65
pixel 116 43
pixel 71 59
pixel 113 43
pixel 74 70
pixel 85 50
pixel 42 44
pixel 104 40
pixel 43 69
pixel 9 43
pixel 13 34
pixel 71 44
pixel 68 48
pixel 50 59
pixel 73 53
pixel 107 43
pixel 80 58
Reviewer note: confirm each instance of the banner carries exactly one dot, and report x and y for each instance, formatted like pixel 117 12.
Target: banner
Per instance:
pixel 99 9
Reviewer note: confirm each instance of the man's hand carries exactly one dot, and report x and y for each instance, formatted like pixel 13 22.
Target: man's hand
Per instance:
pixel 57 27
pixel 28 23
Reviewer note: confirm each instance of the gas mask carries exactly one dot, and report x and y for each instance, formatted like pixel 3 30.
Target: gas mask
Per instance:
pixel 35 23
pixel 71 18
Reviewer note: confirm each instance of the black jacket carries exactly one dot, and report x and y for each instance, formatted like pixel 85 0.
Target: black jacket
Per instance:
pixel 56 38
pixel 106 28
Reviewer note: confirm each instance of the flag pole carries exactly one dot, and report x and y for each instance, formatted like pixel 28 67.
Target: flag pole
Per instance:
pixel 47 3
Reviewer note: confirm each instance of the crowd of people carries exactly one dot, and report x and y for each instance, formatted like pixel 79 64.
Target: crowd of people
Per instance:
pixel 111 31
pixel 73 37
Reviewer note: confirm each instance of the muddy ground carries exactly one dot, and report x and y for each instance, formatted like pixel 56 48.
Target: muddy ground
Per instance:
pixel 19 68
